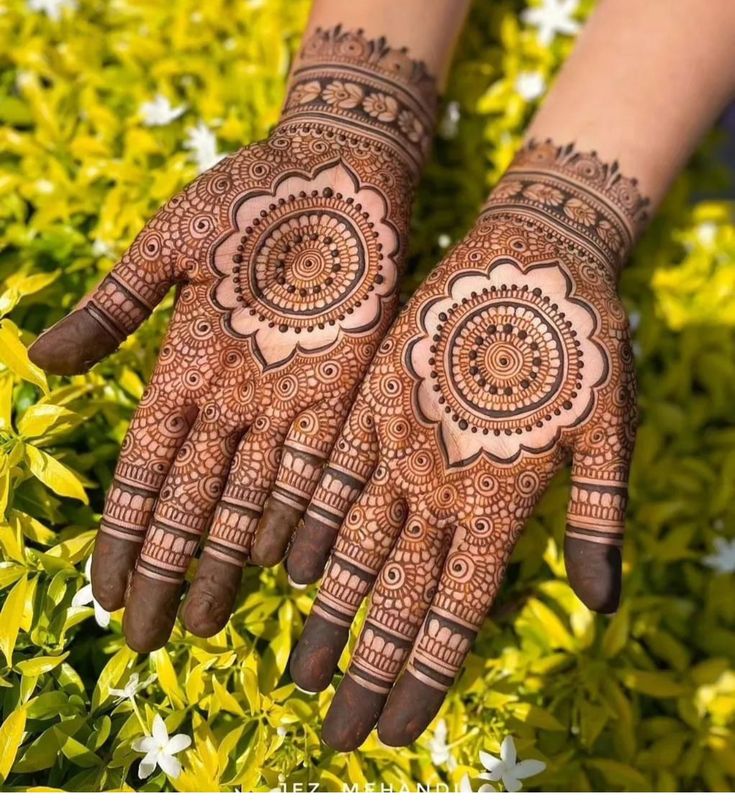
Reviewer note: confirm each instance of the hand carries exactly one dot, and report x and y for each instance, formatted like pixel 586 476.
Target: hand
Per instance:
pixel 286 258
pixel 512 357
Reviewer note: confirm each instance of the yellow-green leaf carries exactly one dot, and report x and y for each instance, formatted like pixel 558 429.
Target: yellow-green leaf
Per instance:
pixel 11 735
pixel 55 475
pixel 11 616
pixel 14 356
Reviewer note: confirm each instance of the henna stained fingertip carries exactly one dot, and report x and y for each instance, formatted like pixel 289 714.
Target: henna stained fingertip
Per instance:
pixel 211 597
pixel 314 660
pixel 410 708
pixel 73 345
pixel 352 715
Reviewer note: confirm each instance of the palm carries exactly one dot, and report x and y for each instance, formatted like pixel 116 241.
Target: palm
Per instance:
pixel 286 258
pixel 511 358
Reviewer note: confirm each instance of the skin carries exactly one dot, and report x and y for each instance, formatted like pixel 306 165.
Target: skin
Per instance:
pixel 447 464
pixel 286 258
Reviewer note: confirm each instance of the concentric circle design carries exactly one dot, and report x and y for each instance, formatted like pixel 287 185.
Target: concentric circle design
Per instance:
pixel 306 260
pixel 506 360
pixel 300 269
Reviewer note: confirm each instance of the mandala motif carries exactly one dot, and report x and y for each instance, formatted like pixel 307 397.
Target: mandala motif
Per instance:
pixel 311 259
pixel 511 365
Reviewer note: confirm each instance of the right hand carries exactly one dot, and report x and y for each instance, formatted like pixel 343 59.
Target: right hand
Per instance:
pixel 286 257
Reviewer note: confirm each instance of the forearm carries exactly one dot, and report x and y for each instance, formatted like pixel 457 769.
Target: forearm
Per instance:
pixel 427 31
pixel 642 86
pixel 368 70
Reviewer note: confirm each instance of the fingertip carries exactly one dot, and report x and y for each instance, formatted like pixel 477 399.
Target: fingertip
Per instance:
pixel 73 345
pixel 312 544
pixel 150 613
pixel 411 707
pixel 352 715
pixel 211 597
pixel 595 573
pixel 113 562
pixel 274 533
pixel 314 660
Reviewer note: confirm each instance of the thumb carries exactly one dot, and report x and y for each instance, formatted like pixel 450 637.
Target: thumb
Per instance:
pixel 112 311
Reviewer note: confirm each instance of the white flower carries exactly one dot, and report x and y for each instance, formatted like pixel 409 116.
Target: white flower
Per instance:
pixel 552 17
pixel 159 111
pixel 723 559
pixel 530 85
pixel 465 786
pixel 706 233
pixel 85 597
pixel 53 9
pixel 101 248
pixel 439 749
pixel 44 186
pixel 449 124
pixel 203 145
pixel 132 687
pixel 507 769
pixel 159 749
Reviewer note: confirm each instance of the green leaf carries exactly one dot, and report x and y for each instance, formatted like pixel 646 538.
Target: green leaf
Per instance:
pixel 11 616
pixel 111 676
pixel 55 475
pixel 14 356
pixel 46 418
pixel 167 678
pixel 75 548
pixel 11 735
pixel 40 664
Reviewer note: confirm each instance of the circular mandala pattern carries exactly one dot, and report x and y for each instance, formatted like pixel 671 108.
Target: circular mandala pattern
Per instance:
pixel 300 269
pixel 304 262
pixel 506 360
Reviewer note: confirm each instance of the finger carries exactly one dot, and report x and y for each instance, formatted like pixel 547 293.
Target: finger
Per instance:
pixel 470 580
pixel 156 433
pixel 594 534
pixel 109 314
pixel 351 463
pixel 308 444
pixel 211 598
pixel 185 505
pixel 365 541
pixel 398 604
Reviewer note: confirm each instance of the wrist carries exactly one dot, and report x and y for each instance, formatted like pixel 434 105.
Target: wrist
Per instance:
pixel 360 89
pixel 588 204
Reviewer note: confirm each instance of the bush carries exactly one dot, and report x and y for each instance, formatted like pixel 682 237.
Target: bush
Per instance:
pixel 644 700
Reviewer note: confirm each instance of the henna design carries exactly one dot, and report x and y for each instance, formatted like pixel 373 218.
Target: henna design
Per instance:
pixel 287 257
pixel 512 357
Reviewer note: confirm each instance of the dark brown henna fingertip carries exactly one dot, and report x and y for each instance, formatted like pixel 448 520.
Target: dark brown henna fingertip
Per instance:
pixel 73 345
pixel 314 660
pixel 594 571
pixel 352 715
pixel 411 707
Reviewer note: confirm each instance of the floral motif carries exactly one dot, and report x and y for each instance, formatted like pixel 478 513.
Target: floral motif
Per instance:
pixel 543 193
pixel 502 349
pixel 305 93
pixel 311 270
pixel 411 126
pixel 342 94
pixel 580 212
pixel 382 106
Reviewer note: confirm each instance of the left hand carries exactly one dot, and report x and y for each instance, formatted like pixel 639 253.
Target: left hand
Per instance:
pixel 512 357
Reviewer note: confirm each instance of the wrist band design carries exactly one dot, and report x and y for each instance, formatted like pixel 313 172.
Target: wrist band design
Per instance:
pixel 365 87
pixel 587 201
